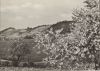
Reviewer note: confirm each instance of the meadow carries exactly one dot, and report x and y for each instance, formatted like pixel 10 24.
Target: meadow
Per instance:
pixel 26 69
pixel 35 69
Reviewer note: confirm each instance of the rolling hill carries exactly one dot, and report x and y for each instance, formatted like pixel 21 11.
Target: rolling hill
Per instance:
pixel 10 35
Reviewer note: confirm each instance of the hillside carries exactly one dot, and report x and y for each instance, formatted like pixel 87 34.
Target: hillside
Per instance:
pixel 27 36
pixel 12 33
pixel 65 25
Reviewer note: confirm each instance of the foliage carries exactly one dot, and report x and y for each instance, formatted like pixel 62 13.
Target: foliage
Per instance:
pixel 76 49
pixel 87 30
pixel 28 37
pixel 18 51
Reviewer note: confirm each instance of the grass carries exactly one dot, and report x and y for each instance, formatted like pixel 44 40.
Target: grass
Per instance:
pixel 35 69
pixel 26 69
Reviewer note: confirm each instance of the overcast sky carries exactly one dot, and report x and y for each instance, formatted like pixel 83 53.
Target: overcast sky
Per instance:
pixel 31 13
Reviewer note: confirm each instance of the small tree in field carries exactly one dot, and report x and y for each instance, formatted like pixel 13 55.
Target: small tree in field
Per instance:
pixel 18 51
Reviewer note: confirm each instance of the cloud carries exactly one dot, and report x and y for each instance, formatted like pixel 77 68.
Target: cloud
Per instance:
pixel 23 6
pixel 38 6
pixel 19 17
pixel 28 4
pixel 15 8
pixel 36 12
pixel 66 16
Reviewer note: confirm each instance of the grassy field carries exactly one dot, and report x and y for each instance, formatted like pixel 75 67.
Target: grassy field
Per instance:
pixel 35 69
pixel 26 69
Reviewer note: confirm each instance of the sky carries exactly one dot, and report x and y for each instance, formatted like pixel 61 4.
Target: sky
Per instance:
pixel 31 13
